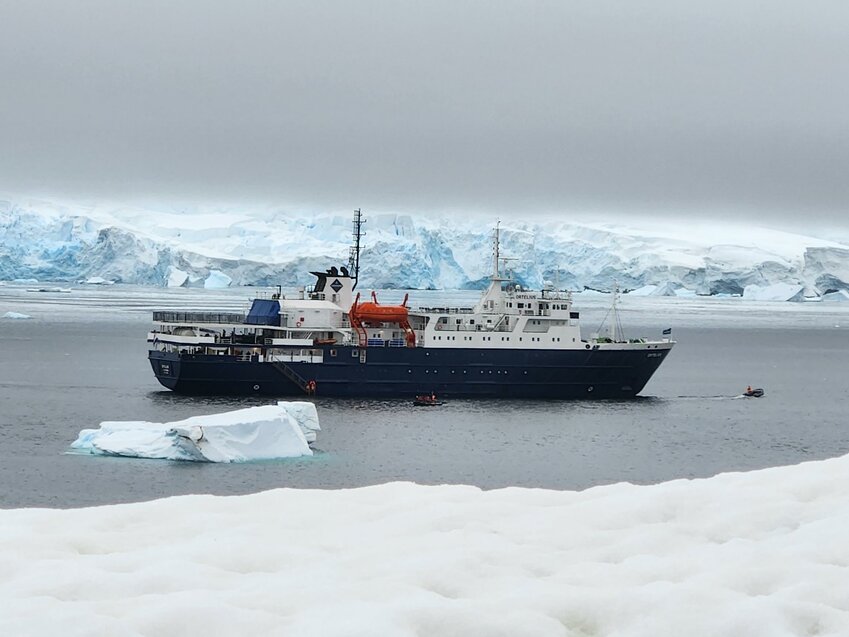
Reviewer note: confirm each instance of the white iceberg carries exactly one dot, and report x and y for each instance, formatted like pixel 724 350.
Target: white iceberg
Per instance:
pixel 775 292
pixel 305 415
pixel 684 293
pixel 97 280
pixel 176 277
pixel 16 315
pixel 217 280
pixel 839 296
pixel 666 289
pixel 646 290
pixel 256 433
pixel 50 289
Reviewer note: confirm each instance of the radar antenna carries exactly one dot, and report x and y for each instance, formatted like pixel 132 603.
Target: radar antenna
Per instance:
pixel 354 255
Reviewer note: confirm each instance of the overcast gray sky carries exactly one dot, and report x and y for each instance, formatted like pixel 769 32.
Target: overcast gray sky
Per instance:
pixel 730 106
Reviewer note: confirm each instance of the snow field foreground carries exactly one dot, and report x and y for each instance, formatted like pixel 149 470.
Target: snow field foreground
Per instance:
pixel 757 554
pixel 267 432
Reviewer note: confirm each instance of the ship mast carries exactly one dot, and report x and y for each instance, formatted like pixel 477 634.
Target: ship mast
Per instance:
pixel 354 256
pixel 495 274
pixel 496 253
pixel 614 320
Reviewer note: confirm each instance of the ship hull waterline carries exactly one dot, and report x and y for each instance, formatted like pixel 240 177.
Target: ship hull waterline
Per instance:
pixel 404 372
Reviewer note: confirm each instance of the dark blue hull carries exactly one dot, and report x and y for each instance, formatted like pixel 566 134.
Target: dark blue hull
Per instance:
pixel 384 372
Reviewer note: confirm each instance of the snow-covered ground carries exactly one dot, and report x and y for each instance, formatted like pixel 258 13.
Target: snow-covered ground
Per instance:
pixel 761 554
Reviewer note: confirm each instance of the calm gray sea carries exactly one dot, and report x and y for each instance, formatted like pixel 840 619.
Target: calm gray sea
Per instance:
pixel 81 359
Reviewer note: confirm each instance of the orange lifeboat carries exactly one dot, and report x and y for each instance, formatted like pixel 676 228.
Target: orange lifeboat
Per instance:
pixel 374 311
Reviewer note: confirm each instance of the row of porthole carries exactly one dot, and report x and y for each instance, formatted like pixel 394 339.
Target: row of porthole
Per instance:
pixel 489 338
pixel 436 371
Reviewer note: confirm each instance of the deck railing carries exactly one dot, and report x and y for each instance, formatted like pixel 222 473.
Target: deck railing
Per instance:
pixel 445 310
pixel 198 317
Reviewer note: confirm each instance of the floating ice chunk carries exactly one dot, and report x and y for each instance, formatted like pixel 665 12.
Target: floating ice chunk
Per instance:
pixel 255 433
pixel 216 280
pixel 840 296
pixel 16 315
pixel 775 292
pixel 667 289
pixel 305 415
pixel 176 277
pixel 50 289
pixel 684 293
pixel 97 280
pixel 646 290
pixel 136 439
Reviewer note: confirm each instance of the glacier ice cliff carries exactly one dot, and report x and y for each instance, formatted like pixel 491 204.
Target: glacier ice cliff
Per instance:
pixel 64 242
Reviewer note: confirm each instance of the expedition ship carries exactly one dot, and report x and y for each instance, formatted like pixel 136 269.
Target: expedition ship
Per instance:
pixel 328 341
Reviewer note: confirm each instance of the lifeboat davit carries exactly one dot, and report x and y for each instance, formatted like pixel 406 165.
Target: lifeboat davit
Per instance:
pixel 373 312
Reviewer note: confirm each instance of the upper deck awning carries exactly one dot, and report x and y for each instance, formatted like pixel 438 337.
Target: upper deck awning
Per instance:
pixel 264 312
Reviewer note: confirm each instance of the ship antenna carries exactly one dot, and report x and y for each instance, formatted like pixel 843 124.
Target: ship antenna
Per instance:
pixel 354 257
